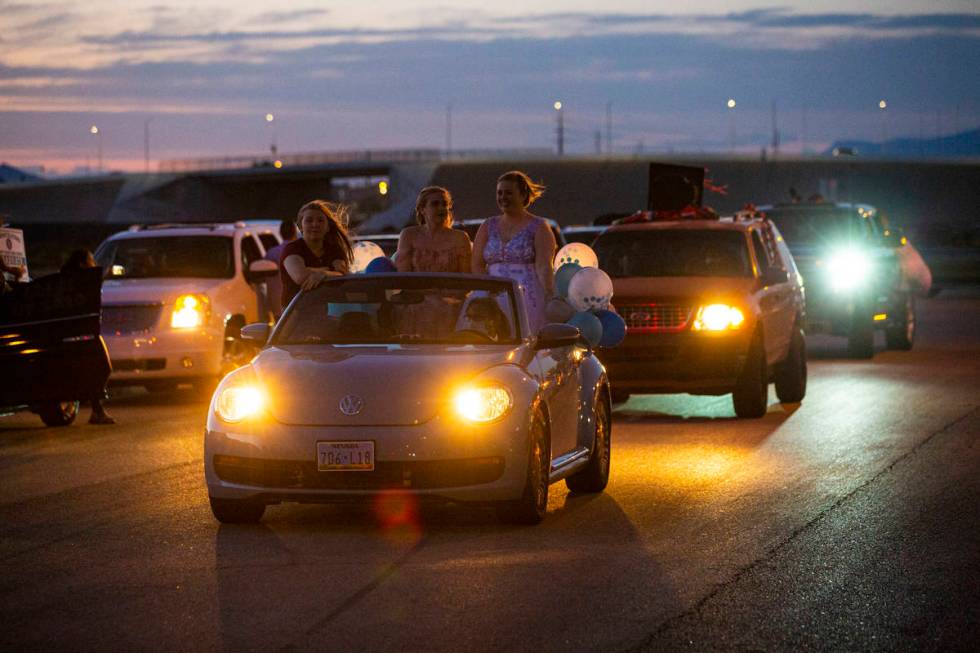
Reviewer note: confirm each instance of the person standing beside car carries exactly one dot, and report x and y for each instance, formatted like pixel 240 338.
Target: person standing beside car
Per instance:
pixel 324 249
pixel 518 245
pixel 81 259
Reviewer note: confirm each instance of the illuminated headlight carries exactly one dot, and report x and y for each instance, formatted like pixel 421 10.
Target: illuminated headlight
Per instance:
pixel 238 402
pixel 190 312
pixel 482 403
pixel 718 317
pixel 848 269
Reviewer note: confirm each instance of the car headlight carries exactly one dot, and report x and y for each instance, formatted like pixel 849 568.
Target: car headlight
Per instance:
pixel 848 269
pixel 718 317
pixel 482 404
pixel 238 402
pixel 190 311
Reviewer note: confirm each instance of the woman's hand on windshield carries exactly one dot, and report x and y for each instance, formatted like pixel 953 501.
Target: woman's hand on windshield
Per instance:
pixel 313 279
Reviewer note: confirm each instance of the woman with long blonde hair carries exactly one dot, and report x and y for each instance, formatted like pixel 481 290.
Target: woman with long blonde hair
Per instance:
pixel 432 245
pixel 324 250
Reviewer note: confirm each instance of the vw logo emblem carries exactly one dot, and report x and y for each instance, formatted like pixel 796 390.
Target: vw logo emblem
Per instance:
pixel 351 405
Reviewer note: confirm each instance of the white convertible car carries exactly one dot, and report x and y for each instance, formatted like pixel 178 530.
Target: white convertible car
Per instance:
pixel 429 384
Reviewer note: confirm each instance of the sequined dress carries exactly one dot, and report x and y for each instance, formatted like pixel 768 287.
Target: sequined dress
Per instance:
pixel 515 260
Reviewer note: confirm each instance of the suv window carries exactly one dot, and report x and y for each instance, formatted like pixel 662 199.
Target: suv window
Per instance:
pixel 268 241
pixel 763 255
pixel 208 257
pixel 250 252
pixel 673 253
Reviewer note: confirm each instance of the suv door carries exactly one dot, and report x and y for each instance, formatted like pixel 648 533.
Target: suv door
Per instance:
pixel 257 302
pixel 776 300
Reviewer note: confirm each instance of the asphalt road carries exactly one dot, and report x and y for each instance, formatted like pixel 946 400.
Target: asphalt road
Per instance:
pixel 850 522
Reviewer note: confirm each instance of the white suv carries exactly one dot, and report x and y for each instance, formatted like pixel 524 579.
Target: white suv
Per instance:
pixel 175 298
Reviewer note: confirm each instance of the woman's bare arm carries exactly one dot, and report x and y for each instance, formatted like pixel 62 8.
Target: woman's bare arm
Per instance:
pixel 405 246
pixel 544 255
pixel 479 265
pixel 307 277
pixel 465 252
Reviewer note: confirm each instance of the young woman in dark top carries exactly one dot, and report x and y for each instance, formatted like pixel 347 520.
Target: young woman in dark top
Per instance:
pixel 323 251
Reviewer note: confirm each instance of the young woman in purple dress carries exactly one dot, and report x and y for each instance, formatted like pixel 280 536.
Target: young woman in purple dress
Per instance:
pixel 518 245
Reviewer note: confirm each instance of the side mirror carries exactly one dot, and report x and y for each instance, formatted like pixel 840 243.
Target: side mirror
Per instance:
pixel 258 332
pixel 260 270
pixel 775 276
pixel 556 335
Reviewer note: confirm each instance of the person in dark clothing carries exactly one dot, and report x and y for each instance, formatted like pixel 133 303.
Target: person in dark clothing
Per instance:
pixel 80 259
pixel 324 250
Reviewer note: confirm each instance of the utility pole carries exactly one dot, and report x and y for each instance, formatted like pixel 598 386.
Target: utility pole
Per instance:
pixel 146 144
pixel 609 128
pixel 775 131
pixel 449 130
pixel 598 141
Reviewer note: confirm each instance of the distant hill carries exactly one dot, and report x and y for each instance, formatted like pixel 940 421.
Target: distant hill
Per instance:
pixel 12 175
pixel 964 144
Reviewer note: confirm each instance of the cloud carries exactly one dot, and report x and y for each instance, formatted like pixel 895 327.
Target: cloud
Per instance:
pixel 278 17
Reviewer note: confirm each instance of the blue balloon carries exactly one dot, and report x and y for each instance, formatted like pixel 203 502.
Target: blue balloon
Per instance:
pixel 380 265
pixel 563 276
pixel 613 328
pixel 589 325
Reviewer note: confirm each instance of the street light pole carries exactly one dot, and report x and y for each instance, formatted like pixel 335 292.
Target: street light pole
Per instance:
pixel 273 148
pixel 95 131
pixel 882 105
pixel 561 128
pixel 731 111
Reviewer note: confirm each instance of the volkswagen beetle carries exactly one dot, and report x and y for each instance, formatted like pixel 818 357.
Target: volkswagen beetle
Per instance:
pixel 429 384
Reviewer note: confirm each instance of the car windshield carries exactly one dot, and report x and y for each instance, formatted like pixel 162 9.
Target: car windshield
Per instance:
pixel 812 226
pixel 673 253
pixel 399 309
pixel 208 257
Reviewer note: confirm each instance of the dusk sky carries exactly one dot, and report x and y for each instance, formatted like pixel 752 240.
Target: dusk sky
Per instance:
pixel 356 75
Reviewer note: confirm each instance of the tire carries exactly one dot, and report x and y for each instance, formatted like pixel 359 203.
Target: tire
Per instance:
pixel 533 505
pixel 861 334
pixel 58 413
pixel 791 373
pixel 619 396
pixel 236 511
pixel 595 476
pixel 901 334
pixel 751 395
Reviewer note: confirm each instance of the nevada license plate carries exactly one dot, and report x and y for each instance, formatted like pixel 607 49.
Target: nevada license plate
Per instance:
pixel 353 456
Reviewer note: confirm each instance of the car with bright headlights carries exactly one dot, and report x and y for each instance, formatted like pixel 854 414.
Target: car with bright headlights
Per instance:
pixel 428 385
pixel 712 306
pixel 852 272
pixel 175 297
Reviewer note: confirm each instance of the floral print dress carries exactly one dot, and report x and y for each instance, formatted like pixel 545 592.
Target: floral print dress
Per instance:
pixel 515 260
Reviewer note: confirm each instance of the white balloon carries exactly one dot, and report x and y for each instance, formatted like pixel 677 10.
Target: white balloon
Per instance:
pixel 590 290
pixel 364 252
pixel 579 253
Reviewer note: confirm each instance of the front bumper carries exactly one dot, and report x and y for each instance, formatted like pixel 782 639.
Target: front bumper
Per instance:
pixel 677 362
pixel 834 312
pixel 440 459
pixel 165 355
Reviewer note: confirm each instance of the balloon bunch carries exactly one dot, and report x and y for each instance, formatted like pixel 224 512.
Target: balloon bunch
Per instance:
pixel 369 258
pixel 583 292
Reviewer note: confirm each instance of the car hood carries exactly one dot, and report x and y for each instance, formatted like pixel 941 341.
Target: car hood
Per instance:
pixel 140 291
pixel 398 385
pixel 631 290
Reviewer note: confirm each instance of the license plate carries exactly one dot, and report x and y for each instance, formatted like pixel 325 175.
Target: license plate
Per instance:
pixel 353 456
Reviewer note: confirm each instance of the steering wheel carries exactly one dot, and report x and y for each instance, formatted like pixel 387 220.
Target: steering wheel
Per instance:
pixel 465 335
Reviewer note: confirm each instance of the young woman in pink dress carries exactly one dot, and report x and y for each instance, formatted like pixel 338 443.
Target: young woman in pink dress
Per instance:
pixel 432 245
pixel 518 245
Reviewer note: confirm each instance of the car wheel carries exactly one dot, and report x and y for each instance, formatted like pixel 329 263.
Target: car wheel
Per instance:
pixel 861 334
pixel 237 511
pixel 533 504
pixel 619 396
pixel 901 334
pixel 791 373
pixel 58 413
pixel 595 476
pixel 751 395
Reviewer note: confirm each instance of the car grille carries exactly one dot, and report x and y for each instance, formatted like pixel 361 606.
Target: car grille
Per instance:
pixel 653 318
pixel 298 474
pixel 129 318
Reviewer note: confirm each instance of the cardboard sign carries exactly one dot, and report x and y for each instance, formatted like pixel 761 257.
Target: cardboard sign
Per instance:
pixel 12 250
